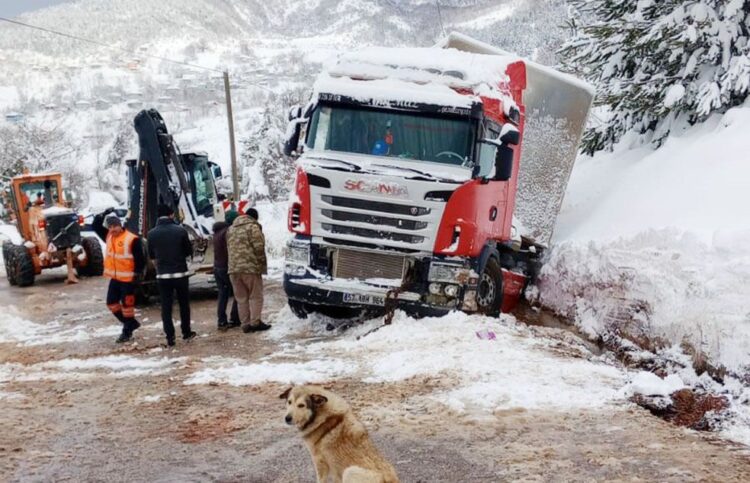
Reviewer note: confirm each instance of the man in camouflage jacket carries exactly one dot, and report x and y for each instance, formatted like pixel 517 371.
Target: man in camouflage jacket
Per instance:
pixel 246 247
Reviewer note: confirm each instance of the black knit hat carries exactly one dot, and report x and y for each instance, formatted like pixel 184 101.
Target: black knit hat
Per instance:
pixel 164 210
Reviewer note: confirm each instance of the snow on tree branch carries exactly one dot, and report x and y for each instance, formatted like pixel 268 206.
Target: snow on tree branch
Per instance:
pixel 659 65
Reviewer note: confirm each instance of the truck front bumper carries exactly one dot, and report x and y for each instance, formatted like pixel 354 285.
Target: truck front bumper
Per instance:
pixel 333 293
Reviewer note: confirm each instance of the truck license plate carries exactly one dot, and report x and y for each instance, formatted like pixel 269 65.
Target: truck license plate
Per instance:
pixel 356 298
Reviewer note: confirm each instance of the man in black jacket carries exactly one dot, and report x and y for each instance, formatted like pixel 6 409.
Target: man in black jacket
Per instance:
pixel 169 245
pixel 221 275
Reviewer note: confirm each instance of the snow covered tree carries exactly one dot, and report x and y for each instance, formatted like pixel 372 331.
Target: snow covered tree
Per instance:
pixel 33 147
pixel 266 172
pixel 658 64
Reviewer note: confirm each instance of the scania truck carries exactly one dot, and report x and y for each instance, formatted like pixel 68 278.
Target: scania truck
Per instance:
pixel 428 177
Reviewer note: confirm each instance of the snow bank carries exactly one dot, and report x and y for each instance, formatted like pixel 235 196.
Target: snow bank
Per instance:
pixel 16 329
pixel 316 371
pixel 657 243
pixel 513 370
pixel 100 201
pixel 83 369
pixel 273 217
pixel 649 384
pixel 9 232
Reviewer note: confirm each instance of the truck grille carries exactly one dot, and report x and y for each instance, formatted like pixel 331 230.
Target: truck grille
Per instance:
pixel 372 234
pixel 401 223
pixel 375 206
pixel 364 265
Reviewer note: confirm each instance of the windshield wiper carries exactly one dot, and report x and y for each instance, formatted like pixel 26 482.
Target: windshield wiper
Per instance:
pixel 421 173
pixel 354 167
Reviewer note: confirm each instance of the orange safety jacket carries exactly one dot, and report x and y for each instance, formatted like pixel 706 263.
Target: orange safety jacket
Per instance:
pixel 119 263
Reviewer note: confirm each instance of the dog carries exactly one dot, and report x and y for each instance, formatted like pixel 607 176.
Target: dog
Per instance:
pixel 338 443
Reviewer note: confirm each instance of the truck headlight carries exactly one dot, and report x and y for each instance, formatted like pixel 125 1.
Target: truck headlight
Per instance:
pixel 444 272
pixel 451 290
pixel 298 254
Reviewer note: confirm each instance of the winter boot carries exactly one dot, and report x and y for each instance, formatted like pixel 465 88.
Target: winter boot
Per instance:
pixel 260 326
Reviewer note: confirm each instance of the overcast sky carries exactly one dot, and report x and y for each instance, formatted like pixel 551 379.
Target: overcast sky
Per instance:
pixel 11 8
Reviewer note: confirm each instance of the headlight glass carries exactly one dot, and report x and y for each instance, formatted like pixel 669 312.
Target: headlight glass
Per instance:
pixel 443 272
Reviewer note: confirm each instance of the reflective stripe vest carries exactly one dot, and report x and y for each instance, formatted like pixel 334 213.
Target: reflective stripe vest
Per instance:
pixel 119 263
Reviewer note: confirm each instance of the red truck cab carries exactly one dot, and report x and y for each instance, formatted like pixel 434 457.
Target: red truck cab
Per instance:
pixel 406 186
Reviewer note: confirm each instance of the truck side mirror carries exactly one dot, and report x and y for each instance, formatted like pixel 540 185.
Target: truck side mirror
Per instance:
pixel 294 130
pixel 295 112
pixel 510 136
pixel 503 163
pixel 292 142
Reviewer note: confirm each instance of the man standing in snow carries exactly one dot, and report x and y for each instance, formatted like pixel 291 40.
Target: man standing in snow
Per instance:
pixel 123 262
pixel 169 244
pixel 246 247
pixel 221 275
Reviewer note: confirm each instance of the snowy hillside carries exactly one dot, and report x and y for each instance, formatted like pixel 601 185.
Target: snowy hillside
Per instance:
pixel 662 237
pixel 84 96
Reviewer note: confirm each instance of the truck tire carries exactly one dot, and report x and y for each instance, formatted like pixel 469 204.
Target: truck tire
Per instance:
pixel 21 269
pixel 490 288
pixel 95 265
pixel 9 273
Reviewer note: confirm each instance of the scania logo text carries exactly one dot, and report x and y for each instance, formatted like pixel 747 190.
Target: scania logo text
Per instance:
pixel 387 189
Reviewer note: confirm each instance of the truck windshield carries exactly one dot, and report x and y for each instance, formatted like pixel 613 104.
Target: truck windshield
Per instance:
pixel 397 134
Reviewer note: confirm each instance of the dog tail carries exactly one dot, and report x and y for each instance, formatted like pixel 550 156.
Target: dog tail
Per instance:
pixel 357 474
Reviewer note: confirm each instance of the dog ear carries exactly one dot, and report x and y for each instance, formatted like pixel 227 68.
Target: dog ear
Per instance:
pixel 318 400
pixel 285 394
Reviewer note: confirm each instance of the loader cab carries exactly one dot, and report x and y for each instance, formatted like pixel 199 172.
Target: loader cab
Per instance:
pixel 200 173
pixel 30 195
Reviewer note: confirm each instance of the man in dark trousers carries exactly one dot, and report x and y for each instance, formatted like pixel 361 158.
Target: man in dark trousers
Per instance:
pixel 221 275
pixel 169 245
pixel 124 261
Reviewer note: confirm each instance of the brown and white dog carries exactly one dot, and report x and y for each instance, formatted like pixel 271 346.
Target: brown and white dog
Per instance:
pixel 338 443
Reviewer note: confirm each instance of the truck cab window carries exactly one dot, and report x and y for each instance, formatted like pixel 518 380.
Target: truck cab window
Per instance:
pixel 486 152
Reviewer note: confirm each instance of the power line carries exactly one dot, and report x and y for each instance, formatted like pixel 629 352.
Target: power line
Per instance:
pixel 102 44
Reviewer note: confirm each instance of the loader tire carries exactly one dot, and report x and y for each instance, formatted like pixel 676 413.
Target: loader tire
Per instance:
pixel 21 270
pixel 490 288
pixel 95 265
pixel 6 259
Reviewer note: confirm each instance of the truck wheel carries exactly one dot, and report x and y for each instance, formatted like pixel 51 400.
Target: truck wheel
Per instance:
pixel 21 266
pixel 490 288
pixel 95 264
pixel 299 309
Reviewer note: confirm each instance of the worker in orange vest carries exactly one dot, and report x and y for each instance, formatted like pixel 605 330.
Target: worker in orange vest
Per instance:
pixel 124 261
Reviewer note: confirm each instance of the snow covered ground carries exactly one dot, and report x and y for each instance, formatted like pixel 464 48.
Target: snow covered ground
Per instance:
pixel 493 363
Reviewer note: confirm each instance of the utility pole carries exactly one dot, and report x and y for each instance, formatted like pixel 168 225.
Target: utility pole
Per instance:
pixel 233 149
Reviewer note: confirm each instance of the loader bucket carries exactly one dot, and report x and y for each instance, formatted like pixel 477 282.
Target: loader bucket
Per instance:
pixel 557 108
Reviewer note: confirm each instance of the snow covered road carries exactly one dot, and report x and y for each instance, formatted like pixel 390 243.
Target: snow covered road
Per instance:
pixel 459 398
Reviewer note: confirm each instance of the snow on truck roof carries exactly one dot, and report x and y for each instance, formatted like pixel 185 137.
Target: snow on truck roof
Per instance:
pixel 402 74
